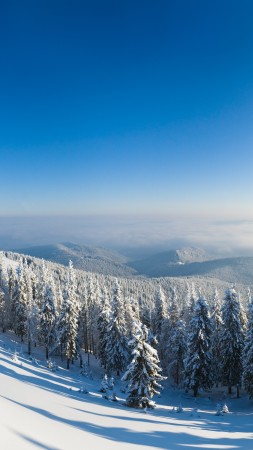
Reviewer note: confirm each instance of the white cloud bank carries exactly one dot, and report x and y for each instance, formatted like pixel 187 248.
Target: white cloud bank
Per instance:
pixel 222 236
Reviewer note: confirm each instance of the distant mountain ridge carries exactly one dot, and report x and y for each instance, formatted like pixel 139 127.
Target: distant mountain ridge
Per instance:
pixel 84 257
pixel 188 262
pixel 184 262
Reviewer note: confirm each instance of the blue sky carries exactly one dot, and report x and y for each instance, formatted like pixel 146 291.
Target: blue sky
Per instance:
pixel 126 108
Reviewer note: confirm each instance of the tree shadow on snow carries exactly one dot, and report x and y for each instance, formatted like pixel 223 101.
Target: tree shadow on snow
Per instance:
pixel 46 382
pixel 33 441
pixel 169 439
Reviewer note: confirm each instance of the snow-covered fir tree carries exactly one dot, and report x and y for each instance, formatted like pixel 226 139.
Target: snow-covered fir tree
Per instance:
pixel 232 341
pixel 160 313
pixel 40 286
pixel 248 353
pixel 3 311
pixel 5 303
pixel 198 360
pixel 103 325
pixel 21 301
pixel 92 295
pixel 47 322
pixel 177 351
pixel 68 318
pixel 117 348
pixel 143 373
pixel 217 325
pixel 168 329
pixel 31 309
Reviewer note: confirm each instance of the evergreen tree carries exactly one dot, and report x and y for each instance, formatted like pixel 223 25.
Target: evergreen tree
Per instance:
pixel 21 302
pixel 31 323
pixel 4 294
pixel 160 313
pixel 248 354
pixel 143 373
pixel 168 330
pixel 117 349
pixel 103 324
pixel 217 325
pixel 189 302
pixel 232 341
pixel 12 281
pixel 48 316
pixel 177 351
pixel 198 360
pixel 68 318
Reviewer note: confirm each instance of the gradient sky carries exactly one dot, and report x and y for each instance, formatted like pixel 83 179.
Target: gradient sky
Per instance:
pixel 126 107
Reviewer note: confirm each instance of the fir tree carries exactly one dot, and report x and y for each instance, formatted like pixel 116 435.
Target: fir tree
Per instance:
pixel 48 316
pixel 232 341
pixel 31 323
pixel 117 349
pixel 103 324
pixel 248 353
pixel 143 373
pixel 198 360
pixel 177 351
pixel 217 325
pixel 168 329
pixel 68 319
pixel 21 302
pixel 160 313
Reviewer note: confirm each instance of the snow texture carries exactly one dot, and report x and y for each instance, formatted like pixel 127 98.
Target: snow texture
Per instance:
pixel 41 409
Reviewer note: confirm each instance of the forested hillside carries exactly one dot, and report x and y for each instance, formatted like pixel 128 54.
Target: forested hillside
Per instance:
pixel 201 339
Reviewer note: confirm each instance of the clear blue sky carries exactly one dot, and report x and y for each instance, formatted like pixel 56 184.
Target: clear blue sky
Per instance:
pixel 112 107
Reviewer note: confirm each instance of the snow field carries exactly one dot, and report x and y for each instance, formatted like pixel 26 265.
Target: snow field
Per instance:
pixel 41 409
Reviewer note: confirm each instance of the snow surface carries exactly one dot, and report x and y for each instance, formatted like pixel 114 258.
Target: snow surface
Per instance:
pixel 41 409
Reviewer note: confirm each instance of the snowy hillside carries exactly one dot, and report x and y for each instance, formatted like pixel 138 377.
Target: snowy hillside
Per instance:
pixel 41 409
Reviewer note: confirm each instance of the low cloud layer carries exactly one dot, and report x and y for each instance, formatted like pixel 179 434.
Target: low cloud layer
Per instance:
pixel 224 237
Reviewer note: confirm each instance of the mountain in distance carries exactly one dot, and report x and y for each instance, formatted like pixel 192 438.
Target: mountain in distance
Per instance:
pixel 190 262
pixel 183 262
pixel 84 257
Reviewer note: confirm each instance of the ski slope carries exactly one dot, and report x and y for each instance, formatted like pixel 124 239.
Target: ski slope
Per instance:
pixel 41 409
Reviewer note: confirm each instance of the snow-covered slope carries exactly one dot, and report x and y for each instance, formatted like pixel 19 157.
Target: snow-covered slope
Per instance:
pixel 41 409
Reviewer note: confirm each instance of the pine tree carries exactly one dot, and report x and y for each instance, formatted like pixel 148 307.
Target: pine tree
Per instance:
pixel 68 319
pixel 4 294
pixel 232 341
pixel 48 316
pixel 248 353
pixel 31 323
pixel 12 281
pixel 198 360
pixel 143 373
pixel 21 302
pixel 117 349
pixel 217 325
pixel 168 330
pixel 177 351
pixel 103 324
pixel 160 313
